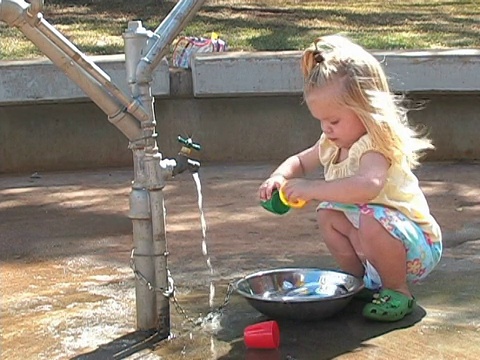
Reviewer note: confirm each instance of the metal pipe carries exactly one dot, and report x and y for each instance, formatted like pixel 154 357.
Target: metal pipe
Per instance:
pixel 150 181
pixel 117 114
pixel 146 98
pixel 147 212
pixel 159 241
pixel 165 33
pixel 90 67
pixel 139 77
pixel 142 260
pixel 135 39
pixel 154 182
pixel 15 13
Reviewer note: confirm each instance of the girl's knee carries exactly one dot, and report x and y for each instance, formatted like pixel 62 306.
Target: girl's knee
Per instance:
pixel 333 222
pixel 369 226
pixel 326 217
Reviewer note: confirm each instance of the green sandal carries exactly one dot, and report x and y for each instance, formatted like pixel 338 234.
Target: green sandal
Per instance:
pixel 388 305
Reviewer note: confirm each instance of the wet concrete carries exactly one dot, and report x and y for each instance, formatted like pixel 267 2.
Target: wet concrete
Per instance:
pixel 68 290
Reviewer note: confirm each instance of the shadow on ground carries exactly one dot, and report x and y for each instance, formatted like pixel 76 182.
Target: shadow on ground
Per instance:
pixel 346 332
pixel 124 346
pixel 343 333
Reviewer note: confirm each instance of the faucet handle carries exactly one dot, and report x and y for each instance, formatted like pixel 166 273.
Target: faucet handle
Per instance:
pixel 188 143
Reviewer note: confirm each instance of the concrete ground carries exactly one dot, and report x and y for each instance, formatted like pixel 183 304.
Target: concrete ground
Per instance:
pixel 68 290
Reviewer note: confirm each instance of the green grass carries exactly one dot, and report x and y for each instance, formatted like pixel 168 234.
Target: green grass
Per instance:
pixel 96 26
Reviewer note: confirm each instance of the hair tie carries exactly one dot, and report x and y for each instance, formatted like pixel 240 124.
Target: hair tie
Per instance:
pixel 317 55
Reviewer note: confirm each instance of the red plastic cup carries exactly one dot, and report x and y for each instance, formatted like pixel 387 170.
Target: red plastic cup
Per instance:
pixel 264 335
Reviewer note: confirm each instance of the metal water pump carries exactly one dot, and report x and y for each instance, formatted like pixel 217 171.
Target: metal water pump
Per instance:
pixel 134 116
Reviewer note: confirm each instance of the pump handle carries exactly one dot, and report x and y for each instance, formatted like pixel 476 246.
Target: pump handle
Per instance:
pixel 188 142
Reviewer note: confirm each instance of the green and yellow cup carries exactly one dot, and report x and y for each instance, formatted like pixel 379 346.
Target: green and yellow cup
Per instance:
pixel 279 204
pixel 275 204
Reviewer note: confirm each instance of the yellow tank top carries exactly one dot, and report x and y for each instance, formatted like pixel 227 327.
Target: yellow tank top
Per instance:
pixel 401 191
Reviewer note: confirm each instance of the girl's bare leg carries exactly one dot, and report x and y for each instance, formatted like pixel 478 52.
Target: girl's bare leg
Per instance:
pixel 386 253
pixel 341 239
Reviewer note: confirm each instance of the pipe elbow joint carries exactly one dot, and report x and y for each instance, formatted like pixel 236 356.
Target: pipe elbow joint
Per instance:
pixel 144 71
pixel 167 166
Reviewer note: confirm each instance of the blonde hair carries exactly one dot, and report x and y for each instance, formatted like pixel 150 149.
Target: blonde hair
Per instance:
pixel 365 91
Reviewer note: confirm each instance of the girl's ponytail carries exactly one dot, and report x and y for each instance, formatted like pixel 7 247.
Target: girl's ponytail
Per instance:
pixel 308 61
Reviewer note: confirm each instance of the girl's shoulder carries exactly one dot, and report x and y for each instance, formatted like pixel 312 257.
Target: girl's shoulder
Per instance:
pixel 361 146
pixel 329 151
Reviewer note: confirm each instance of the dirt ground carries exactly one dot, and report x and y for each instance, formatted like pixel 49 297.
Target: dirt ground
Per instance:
pixel 68 290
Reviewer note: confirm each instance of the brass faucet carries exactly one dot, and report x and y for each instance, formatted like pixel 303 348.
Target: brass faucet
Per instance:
pixel 187 157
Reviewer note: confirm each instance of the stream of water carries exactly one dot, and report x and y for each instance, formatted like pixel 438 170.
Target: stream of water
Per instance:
pixel 212 320
pixel 203 222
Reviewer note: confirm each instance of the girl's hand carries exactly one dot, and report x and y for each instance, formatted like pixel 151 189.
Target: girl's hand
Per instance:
pixel 269 185
pixel 298 189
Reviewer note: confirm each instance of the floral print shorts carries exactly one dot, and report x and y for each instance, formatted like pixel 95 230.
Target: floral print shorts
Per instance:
pixel 422 254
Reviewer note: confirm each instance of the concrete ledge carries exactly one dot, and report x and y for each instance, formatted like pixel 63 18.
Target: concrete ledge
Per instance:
pixel 237 74
pixel 267 73
pixel 247 74
pixel 41 81
pixel 433 70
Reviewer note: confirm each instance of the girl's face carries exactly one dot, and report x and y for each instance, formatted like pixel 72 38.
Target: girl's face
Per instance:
pixel 340 124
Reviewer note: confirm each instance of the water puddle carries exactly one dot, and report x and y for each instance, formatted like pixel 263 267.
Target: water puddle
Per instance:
pixel 212 337
pixel 54 309
pixel 77 307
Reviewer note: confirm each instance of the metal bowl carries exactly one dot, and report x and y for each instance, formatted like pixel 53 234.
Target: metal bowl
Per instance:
pixel 299 293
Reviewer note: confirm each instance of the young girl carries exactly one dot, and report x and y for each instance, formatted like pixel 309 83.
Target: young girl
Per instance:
pixel 373 216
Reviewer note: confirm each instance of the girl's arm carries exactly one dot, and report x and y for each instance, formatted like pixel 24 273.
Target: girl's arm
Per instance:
pixel 295 166
pixel 364 186
pixel 300 164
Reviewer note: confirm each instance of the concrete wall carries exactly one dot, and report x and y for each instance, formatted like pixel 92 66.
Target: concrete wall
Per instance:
pixel 239 107
pixel 40 81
